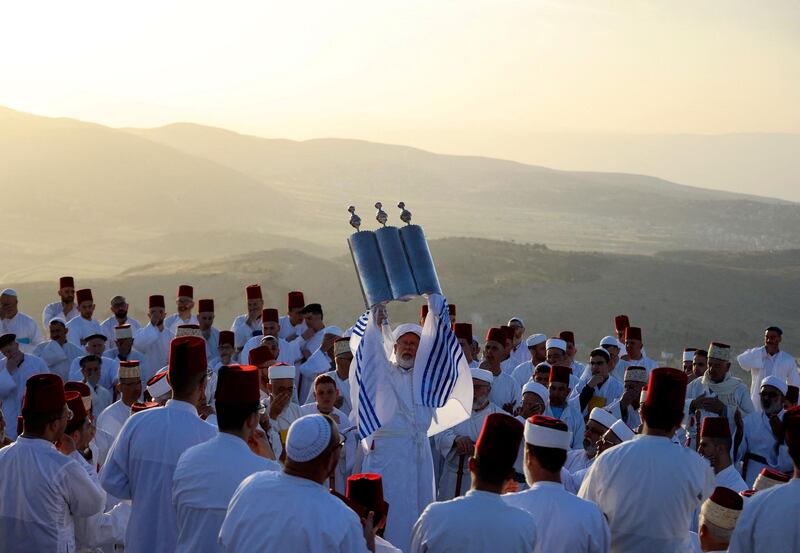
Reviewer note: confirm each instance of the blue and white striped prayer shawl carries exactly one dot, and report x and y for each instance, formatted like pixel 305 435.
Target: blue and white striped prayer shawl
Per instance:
pixel 369 360
pixel 442 379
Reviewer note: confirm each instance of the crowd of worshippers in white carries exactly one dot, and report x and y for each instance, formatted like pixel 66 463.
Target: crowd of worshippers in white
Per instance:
pixel 284 434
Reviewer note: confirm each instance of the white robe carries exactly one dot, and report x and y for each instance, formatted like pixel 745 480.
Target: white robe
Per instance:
pixel 288 352
pixel 40 491
pixel 26 330
pixel 760 364
pixel 444 442
pixel 154 345
pixel 101 398
pixel 285 419
pixel 318 363
pixel 519 354
pixel 564 522
pixel 758 439
pixel 108 325
pixel 768 523
pixel 523 373
pixel 505 390
pixel 288 330
pixel 571 415
pixel 299 515
pixel 79 328
pixel 212 343
pixel 645 362
pixel 140 467
pixel 738 399
pixel 174 321
pixel 731 479
pixel 648 489
pixel 347 456
pixel 55 310
pixel 12 388
pixel 476 522
pixel 57 357
pixel 242 331
pixel 611 390
pixel 578 460
pixel 633 420
pixel 112 418
pixel 205 479
pixel 109 372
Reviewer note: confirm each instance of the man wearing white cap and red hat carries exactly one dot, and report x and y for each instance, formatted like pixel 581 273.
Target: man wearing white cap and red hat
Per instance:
pixel 248 325
pixel 300 514
pixel 537 353
pixel 65 308
pixel 457 443
pixel 57 352
pixel 208 474
pixel 626 407
pixel 480 520
pixel 119 316
pixel 505 390
pixel 597 424
pixel 123 345
pixel 184 302
pixel 634 348
pixel 768 360
pixel 12 321
pixel 293 324
pixel 153 340
pixel 563 521
pixel 16 368
pixel 769 522
pixel 41 489
pixel 648 488
pixel 758 441
pixel 141 463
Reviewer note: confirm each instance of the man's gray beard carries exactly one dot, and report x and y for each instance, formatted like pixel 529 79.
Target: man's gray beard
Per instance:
pixel 480 403
pixel 405 363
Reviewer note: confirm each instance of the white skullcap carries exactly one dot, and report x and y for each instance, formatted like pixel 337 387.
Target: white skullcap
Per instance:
pixel 308 437
pixel 543 436
pixel 536 388
pixel 160 386
pixel 688 356
pixel 281 371
pixel 517 319
pixel 482 374
pixel 57 319
pixel 601 416
pixel 557 343
pixel 9 292
pixel 332 330
pixel 405 329
pixel 609 341
pixel 622 431
pixel 775 382
pixel 535 340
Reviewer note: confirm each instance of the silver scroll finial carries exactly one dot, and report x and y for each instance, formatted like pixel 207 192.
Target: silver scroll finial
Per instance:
pixel 381 216
pixel 355 220
pixel 405 215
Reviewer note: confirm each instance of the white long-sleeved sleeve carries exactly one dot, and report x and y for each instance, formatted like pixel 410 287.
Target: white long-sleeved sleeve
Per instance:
pixel 114 474
pixel 83 497
pixel 146 337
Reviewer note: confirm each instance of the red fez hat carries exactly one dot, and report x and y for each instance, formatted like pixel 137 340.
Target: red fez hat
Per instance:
pixel 66 282
pixel 187 356
pixel 666 389
pixel 270 315
pixel 44 394
pixel 451 309
pixel 498 443
pixel 76 405
pixel 792 393
pixel 84 294
pixel 186 291
pixel 81 387
pixel 791 428
pixel 549 422
pixel 560 373
pixel 715 427
pixel 463 331
pixel 747 493
pixel 20 424
pixel 633 333
pixel 366 491
pixel 568 336
pixel 143 406
pixel 260 355
pixel 296 300
pixel 509 330
pixel 156 301
pixel 496 335
pixel 237 384
pixel 204 306
pixel 726 497
pixel 777 475
pixel 621 322
pixel 253 292
pixel 227 337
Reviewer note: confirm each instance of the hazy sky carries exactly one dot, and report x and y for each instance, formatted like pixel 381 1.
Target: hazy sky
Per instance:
pixel 387 70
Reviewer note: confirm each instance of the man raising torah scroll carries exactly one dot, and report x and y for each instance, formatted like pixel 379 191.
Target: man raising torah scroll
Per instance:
pixel 400 398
